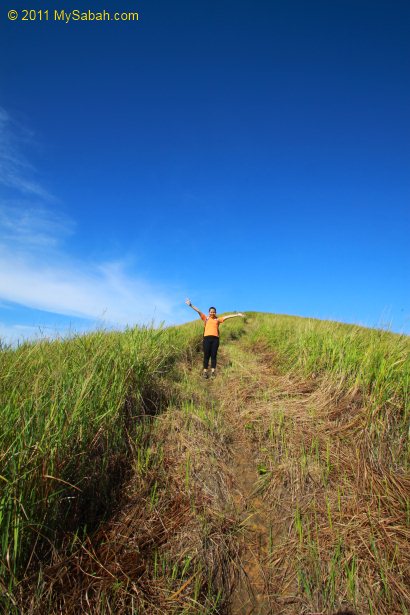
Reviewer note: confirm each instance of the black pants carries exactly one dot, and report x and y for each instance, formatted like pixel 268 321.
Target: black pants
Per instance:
pixel 211 344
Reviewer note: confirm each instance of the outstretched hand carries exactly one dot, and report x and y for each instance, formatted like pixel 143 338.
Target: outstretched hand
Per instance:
pixel 188 302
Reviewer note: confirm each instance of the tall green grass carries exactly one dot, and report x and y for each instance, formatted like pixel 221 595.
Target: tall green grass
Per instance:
pixel 69 413
pixel 374 363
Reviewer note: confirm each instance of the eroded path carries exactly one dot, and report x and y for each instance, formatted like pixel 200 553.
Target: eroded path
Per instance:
pixel 245 384
pixel 244 381
pixel 246 499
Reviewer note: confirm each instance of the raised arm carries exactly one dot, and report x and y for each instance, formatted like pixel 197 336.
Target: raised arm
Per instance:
pixel 189 302
pixel 234 315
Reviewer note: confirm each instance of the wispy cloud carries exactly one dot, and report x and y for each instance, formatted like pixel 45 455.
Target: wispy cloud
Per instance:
pixel 15 170
pixel 15 333
pixel 102 291
pixel 37 270
pixel 22 223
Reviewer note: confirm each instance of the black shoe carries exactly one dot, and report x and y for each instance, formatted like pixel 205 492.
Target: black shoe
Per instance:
pixel 205 375
pixel 213 375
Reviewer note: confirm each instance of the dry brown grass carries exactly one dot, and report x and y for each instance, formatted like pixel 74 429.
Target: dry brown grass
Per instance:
pixel 170 546
pixel 340 514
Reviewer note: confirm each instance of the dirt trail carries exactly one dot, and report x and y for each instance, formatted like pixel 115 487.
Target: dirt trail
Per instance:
pixel 241 383
pixel 251 594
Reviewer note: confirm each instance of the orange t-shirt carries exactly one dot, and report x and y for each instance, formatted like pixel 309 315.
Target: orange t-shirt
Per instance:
pixel 211 324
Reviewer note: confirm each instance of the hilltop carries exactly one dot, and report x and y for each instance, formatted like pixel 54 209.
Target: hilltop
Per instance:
pixel 130 485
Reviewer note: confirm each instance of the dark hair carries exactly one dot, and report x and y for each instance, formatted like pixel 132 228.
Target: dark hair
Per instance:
pixel 212 308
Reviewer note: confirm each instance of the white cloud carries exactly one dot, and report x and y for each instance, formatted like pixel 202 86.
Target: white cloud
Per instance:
pixel 12 334
pixel 28 224
pixel 15 170
pixel 97 292
pixel 36 271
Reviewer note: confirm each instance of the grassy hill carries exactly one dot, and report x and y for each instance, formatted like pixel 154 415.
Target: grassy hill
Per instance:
pixel 128 484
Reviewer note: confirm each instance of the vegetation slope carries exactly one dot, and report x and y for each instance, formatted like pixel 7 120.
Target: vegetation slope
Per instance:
pixel 130 485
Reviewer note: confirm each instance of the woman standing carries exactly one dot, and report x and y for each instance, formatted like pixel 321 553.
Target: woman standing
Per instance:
pixel 211 335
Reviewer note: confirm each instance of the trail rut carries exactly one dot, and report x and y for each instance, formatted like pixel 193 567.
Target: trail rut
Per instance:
pixel 239 387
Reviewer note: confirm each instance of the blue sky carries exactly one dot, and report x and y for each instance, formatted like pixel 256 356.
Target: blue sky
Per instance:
pixel 249 156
